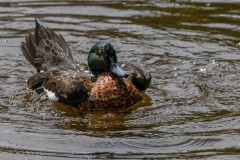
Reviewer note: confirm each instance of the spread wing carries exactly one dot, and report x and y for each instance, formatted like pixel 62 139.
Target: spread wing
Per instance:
pixel 46 50
pixel 57 75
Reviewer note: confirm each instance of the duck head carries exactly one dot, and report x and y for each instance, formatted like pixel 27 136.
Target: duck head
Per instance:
pixel 102 58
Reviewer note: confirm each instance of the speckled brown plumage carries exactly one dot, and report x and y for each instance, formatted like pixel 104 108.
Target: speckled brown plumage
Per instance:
pixel 110 92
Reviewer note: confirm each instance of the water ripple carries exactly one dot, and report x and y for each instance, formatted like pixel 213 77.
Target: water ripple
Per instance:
pixel 190 111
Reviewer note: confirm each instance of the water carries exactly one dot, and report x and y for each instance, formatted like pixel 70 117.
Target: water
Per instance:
pixel 190 111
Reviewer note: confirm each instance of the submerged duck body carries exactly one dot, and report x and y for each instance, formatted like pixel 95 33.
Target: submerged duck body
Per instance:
pixel 110 87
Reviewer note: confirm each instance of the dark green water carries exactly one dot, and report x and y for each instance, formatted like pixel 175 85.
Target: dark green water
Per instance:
pixel 191 111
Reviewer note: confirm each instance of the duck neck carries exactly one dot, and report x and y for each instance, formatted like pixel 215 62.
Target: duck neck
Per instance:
pixel 96 73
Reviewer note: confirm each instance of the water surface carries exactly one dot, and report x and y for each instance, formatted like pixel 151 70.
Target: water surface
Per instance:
pixel 190 111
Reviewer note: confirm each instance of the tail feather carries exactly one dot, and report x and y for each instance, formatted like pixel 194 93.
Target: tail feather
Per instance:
pixel 39 33
pixel 39 47
pixel 27 53
pixel 31 43
pixel 65 47
pixel 42 33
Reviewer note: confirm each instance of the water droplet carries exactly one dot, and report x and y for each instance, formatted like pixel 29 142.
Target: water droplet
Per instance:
pixel 215 63
pixel 176 69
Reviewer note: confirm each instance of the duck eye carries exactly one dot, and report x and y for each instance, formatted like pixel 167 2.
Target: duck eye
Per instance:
pixel 100 52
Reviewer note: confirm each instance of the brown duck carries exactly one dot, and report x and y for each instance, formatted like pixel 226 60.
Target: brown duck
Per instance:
pixel 113 86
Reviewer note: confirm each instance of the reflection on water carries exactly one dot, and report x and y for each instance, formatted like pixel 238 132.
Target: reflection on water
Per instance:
pixel 191 109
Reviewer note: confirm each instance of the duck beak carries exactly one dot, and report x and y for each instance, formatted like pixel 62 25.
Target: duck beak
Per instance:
pixel 116 69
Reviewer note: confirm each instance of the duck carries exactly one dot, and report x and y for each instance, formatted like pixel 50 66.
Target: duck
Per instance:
pixel 112 85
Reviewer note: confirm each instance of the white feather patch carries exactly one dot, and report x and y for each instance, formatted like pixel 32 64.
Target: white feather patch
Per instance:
pixel 51 95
